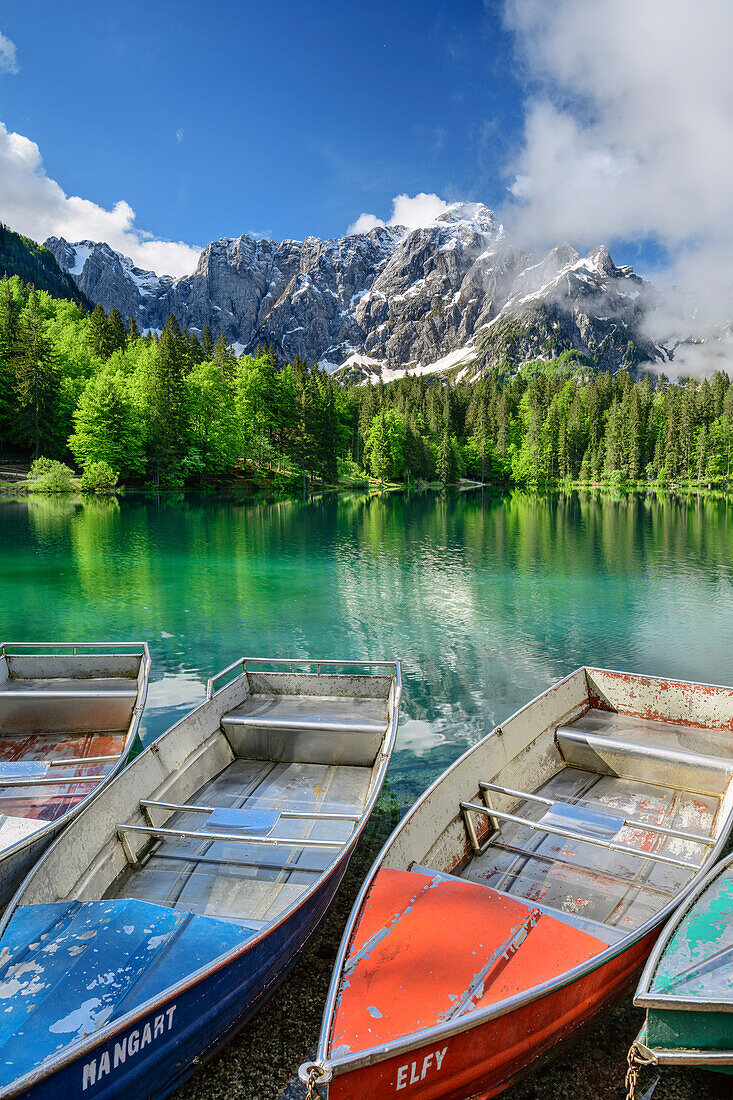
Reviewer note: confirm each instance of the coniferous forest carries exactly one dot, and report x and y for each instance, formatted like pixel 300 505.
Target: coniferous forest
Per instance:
pixel 174 409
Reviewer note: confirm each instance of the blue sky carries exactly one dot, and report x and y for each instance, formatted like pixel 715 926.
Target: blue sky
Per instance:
pixel 148 124
pixel 283 119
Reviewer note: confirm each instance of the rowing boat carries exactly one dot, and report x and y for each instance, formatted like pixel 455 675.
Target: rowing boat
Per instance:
pixel 169 909
pixel 687 984
pixel 69 717
pixel 524 890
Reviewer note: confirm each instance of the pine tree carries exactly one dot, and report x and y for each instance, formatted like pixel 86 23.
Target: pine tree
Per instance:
pixel 36 379
pixel 97 332
pixel 701 451
pixel 445 469
pixel 115 333
pixel 687 427
pixel 168 435
pixel 225 360
pixel 207 344
pixel 635 428
pixel 8 353
pixel 672 446
pixel 481 436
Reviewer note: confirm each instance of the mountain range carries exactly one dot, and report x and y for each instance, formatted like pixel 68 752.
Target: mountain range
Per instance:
pixel 454 297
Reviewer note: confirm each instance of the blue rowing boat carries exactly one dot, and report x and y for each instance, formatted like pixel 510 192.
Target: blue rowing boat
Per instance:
pixel 170 908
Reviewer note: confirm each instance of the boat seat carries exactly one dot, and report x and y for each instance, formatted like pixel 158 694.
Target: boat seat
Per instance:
pixel 77 947
pixel 313 729
pixel 592 927
pixel 662 753
pixel 426 949
pixel 66 705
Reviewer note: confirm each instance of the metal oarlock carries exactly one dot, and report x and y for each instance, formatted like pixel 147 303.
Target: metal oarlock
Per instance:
pixel 312 1074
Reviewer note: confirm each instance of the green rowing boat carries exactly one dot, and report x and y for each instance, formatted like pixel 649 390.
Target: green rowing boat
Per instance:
pixel 687 984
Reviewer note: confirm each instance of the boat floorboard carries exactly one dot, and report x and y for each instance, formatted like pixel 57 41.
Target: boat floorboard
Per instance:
pixel 48 802
pixel 615 888
pixel 240 880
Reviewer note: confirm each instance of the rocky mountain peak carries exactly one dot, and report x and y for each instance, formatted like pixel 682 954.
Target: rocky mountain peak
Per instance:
pixel 453 296
pixel 473 214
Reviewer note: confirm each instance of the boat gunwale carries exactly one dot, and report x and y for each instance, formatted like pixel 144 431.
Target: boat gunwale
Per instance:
pixel 75 1051
pixel 438 1032
pixel 122 760
pixel 689 1056
pixel 643 997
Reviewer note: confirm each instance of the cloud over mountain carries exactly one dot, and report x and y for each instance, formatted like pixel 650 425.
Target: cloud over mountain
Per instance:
pixel 628 132
pixel 412 211
pixel 34 204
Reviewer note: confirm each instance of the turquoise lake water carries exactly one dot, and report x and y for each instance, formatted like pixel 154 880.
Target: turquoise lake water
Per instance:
pixel 487 600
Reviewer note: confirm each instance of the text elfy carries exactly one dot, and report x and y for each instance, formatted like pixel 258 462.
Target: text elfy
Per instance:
pixel 417 1071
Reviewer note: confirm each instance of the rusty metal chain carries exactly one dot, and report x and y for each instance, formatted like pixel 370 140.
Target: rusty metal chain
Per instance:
pixel 312 1074
pixel 312 1092
pixel 634 1063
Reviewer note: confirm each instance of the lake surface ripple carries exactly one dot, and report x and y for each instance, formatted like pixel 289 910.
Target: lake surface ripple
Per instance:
pixel 487 600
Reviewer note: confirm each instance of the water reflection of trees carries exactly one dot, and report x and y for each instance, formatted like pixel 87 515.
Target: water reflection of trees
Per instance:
pixel 512 592
pixel 487 599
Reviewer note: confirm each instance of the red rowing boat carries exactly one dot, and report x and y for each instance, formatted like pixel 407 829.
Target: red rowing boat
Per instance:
pixel 525 889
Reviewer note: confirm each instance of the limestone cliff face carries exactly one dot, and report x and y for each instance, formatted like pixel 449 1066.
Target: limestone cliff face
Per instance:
pixel 455 295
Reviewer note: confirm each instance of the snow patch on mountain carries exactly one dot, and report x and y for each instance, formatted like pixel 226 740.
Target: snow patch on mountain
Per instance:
pixel 389 300
pixel 81 255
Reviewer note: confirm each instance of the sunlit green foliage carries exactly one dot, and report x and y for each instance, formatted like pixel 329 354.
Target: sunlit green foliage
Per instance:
pixel 49 476
pixel 99 477
pixel 170 410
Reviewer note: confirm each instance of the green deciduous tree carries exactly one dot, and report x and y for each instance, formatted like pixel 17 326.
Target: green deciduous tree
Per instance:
pixel 109 427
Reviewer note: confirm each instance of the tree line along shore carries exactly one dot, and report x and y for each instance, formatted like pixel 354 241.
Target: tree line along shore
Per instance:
pixel 174 409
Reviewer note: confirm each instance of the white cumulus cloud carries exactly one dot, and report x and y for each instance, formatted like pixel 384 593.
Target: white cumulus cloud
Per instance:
pixel 35 205
pixel 629 132
pixel 8 56
pixel 412 211
pixel 364 223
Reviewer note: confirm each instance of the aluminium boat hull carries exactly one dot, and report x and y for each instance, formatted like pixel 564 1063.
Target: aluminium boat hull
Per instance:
pixel 152 1054
pixel 17 861
pixel 173 997
pixel 453 1055
pixel 485 1059
pixel 686 984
